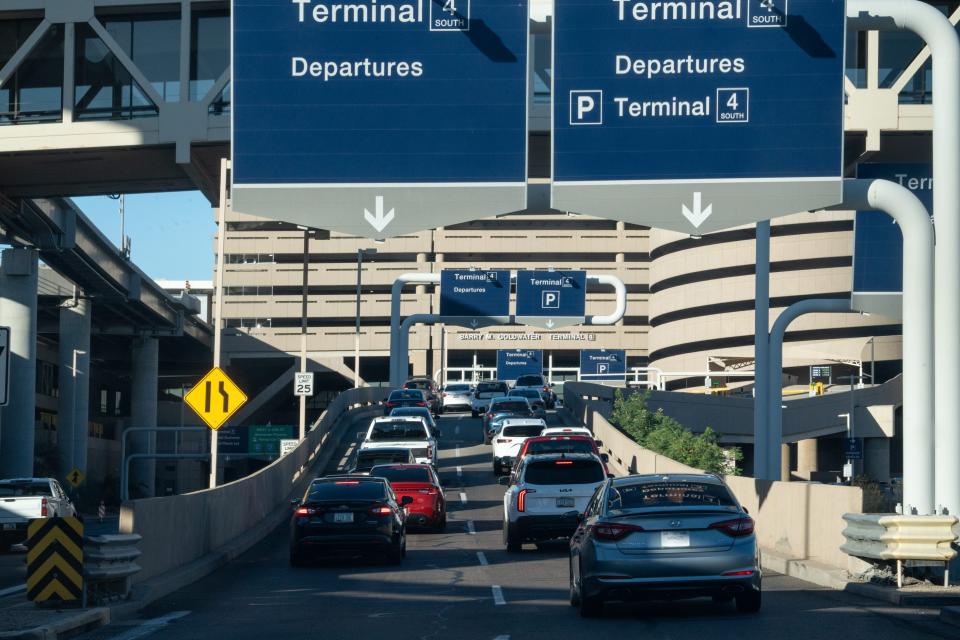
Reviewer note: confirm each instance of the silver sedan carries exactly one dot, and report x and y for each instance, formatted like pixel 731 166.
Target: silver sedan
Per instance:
pixel 664 537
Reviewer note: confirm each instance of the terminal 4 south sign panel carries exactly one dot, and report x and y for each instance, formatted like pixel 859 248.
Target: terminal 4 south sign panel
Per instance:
pixel 697 115
pixel 379 117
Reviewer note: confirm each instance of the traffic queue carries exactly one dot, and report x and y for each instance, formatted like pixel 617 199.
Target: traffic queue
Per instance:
pixel 663 536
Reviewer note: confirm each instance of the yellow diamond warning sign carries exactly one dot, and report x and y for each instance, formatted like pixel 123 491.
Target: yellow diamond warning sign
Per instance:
pixel 215 398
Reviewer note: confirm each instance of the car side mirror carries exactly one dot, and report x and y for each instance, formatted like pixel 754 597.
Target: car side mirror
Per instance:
pixel 611 476
pixel 605 458
pixel 745 510
pixel 599 443
pixel 504 481
pixel 295 503
pixel 405 500
pixel 581 517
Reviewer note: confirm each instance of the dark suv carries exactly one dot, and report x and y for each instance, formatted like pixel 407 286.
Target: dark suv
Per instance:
pixel 429 389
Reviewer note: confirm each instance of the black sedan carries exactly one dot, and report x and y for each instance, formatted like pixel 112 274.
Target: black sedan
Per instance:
pixel 348 516
pixel 405 398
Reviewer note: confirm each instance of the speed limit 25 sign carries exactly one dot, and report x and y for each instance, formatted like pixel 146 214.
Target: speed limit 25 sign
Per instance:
pixel 303 384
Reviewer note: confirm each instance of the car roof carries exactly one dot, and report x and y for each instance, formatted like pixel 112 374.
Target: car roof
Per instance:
pixel 533 457
pixel 382 449
pixel 512 422
pixel 24 480
pixel 393 418
pixel 572 430
pixel 579 437
pixel 345 476
pixel 406 465
pixel 649 478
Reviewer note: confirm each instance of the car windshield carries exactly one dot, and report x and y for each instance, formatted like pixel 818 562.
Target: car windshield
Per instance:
pixel 23 489
pixel 406 394
pixel 555 472
pixel 345 490
pixel 421 412
pixel 530 381
pixel 369 459
pixel 487 387
pixel 560 446
pixel 398 430
pixel 668 493
pixel 402 474
pixel 457 388
pixel 510 405
pixel 417 384
pixel 522 430
pixel 526 393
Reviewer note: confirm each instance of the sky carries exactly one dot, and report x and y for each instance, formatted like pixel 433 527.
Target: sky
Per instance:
pixel 171 233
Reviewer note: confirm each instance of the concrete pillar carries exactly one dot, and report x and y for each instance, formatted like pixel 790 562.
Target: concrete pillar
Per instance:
pixel 143 413
pixel 876 458
pixel 18 310
pixel 74 405
pixel 807 457
pixel 419 360
pixel 785 462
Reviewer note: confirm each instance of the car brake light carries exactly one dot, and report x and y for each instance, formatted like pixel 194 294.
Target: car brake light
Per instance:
pixel 43 508
pixel 421 404
pixel 737 573
pixel 390 404
pixel 522 499
pixel 563 462
pixel 736 528
pixel 347 482
pixel 381 510
pixel 614 531
pixel 430 452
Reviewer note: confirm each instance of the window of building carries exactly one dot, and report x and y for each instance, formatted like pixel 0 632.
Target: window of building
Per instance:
pixel 209 54
pixel 34 92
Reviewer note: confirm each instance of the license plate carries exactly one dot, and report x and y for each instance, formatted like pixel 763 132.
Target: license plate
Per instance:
pixel 673 539
pixel 565 502
pixel 9 527
pixel 343 517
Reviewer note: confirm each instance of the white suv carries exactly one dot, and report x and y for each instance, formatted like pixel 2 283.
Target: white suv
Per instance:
pixel 403 432
pixel 513 433
pixel 549 494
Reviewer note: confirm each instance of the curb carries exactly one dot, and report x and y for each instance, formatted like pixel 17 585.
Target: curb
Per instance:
pixel 806 570
pixel 908 598
pixel 70 626
pixel 155 588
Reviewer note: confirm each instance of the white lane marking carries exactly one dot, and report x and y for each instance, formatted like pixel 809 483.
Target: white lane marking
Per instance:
pixel 482 557
pixel 456 430
pixel 498 595
pixel 148 627
pixel 9 591
pixel 463 498
pixel 470 528
pixel 502 638
pixel 459 471
pixel 456 453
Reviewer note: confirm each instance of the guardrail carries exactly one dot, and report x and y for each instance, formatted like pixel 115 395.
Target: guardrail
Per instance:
pixel 179 530
pixel 109 564
pixel 910 539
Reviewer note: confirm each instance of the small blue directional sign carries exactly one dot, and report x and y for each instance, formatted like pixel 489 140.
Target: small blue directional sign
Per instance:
pixel 853 448
pixel 475 298
pixel 878 242
pixel 551 299
pixel 513 363
pixel 379 117
pixel 603 364
pixel 697 115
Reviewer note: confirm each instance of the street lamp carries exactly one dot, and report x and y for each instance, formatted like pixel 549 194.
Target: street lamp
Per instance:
pixel 356 336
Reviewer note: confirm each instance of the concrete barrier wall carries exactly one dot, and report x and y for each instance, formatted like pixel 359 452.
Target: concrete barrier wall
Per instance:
pixel 796 520
pixel 178 530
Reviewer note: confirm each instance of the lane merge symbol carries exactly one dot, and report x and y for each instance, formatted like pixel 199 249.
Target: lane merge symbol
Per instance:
pixel 215 398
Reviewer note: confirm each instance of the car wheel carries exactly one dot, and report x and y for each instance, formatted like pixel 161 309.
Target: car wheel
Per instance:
pixel 590 606
pixel 442 525
pixel 396 552
pixel 574 594
pixel 296 558
pixel 5 546
pixel 749 601
pixel 510 539
pixel 473 413
pixel 722 598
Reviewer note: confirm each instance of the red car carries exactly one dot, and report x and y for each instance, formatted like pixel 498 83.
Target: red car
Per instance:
pixel 561 444
pixel 420 482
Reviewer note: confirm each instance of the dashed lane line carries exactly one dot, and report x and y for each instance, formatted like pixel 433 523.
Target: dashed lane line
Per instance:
pixel 463 498
pixel 498 598
pixel 459 471
pixel 482 558
pixel 470 528
pixel 502 638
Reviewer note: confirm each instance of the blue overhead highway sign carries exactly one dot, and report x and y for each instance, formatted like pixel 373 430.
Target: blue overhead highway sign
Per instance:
pixel 603 364
pixel 474 298
pixel 697 115
pixel 878 243
pixel 513 363
pixel 551 299
pixel 379 117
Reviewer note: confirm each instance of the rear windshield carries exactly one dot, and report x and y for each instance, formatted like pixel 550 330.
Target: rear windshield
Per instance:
pixel 22 489
pixel 530 381
pixel 522 431
pixel 564 472
pixel 560 446
pixel 345 490
pixel 486 387
pixel 458 387
pixel 510 405
pixel 411 411
pixel 400 394
pixel 399 430
pixel 394 474
pixel 669 494
pixel 417 384
pixel 369 459
pixel 526 393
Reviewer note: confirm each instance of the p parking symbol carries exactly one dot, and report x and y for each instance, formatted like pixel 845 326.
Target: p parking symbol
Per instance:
pixel 550 300
pixel 586 107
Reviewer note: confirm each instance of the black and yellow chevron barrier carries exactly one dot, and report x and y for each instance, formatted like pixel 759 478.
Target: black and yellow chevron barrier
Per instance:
pixel 55 560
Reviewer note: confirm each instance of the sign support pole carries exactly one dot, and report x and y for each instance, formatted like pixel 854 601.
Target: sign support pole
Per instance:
pixel 303 328
pixel 935 29
pixel 762 467
pixel 218 301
